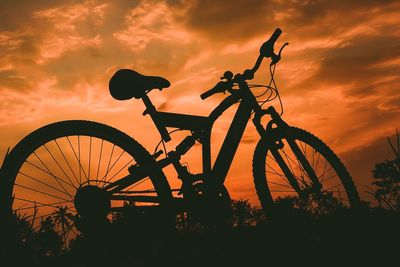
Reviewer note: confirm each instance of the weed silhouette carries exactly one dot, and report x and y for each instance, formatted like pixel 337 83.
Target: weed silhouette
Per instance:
pixel 387 179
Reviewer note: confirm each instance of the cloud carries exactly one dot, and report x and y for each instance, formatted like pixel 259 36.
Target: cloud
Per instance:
pixel 229 20
pixel 54 47
pixel 339 77
pixel 355 61
pixel 18 107
pixel 151 21
pixel 65 33
pixel 17 14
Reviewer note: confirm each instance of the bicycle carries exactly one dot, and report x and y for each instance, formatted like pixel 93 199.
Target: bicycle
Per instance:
pixel 88 169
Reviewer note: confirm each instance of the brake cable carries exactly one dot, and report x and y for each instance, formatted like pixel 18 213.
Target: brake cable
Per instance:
pixel 273 88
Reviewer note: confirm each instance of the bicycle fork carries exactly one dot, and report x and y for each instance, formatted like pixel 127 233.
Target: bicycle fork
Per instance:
pixel 277 125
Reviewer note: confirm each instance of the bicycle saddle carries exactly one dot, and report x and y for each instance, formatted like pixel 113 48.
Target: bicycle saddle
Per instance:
pixel 126 83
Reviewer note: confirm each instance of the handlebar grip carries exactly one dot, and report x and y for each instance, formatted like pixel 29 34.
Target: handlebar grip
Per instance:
pixel 218 88
pixel 267 49
pixel 207 94
pixel 275 35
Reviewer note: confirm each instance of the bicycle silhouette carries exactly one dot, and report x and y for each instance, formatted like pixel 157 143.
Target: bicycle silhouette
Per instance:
pixel 90 170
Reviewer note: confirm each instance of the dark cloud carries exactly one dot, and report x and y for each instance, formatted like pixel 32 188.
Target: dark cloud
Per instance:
pixel 392 104
pixel 355 63
pixel 230 20
pixel 240 19
pixel 310 19
pixel 363 121
pixel 16 14
pixel 359 67
pixel 375 88
pixel 14 80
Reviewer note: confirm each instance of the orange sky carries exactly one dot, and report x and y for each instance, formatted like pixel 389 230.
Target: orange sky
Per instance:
pixel 339 77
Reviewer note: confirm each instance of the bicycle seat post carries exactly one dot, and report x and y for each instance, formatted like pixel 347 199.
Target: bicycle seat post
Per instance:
pixel 151 110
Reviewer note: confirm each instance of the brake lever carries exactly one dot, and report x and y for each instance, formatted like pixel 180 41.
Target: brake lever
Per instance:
pixel 276 58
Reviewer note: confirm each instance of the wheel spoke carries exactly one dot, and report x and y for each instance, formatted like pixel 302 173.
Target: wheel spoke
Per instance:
pixel 37 180
pixel 78 158
pixel 47 172
pixel 304 157
pixel 44 216
pixel 330 177
pixel 65 158
pixel 283 177
pixel 316 164
pixel 276 173
pixel 120 170
pixel 44 193
pixel 301 168
pixel 336 185
pixel 298 164
pixel 58 158
pixel 79 162
pixel 98 164
pixel 52 175
pixel 112 166
pixel 324 172
pixel 283 185
pixel 58 164
pixel 90 155
pixel 108 165
pixel 287 158
pixel 39 204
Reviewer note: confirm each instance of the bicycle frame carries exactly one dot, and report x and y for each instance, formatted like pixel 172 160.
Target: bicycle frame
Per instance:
pixel 201 128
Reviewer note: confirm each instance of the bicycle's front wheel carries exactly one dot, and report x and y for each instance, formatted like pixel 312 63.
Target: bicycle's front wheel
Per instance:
pixel 46 169
pixel 298 166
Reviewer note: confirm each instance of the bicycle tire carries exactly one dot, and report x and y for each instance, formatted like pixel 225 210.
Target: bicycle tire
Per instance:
pixel 65 132
pixel 263 185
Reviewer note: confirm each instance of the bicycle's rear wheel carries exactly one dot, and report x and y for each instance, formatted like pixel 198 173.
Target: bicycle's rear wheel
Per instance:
pixel 45 169
pixel 335 186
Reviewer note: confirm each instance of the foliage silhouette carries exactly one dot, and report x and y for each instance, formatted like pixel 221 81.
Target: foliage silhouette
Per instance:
pixel 387 179
pixel 135 239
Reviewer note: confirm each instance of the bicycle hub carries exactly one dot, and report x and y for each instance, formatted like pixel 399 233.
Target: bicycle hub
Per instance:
pixel 92 202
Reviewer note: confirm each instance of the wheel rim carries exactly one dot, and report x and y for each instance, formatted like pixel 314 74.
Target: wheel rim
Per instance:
pixel 333 193
pixel 48 179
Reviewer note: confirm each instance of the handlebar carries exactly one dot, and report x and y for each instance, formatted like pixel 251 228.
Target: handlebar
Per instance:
pixel 266 50
pixel 210 92
pixel 218 88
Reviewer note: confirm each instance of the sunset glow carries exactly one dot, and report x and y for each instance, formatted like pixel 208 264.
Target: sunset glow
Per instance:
pixel 339 78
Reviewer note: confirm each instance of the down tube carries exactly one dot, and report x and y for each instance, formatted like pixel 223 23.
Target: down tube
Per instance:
pixel 231 142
